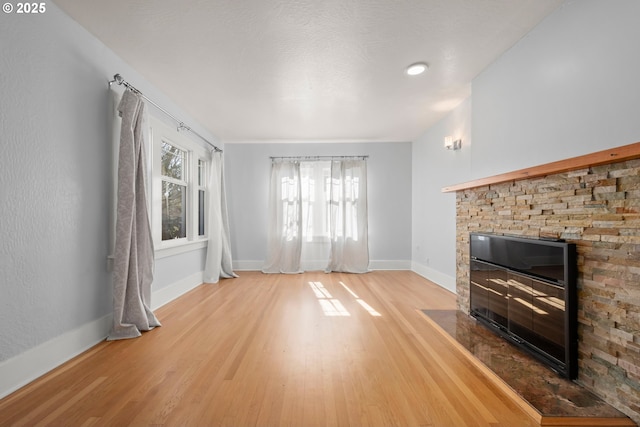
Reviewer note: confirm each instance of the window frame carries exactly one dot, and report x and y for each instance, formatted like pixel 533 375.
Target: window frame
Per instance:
pixel 181 182
pixel 318 202
pixel 202 182
pixel 160 133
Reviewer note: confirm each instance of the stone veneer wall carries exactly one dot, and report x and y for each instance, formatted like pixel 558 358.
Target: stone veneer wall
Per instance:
pixel 597 208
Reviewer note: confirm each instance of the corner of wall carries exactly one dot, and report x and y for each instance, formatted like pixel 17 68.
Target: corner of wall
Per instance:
pixel 443 280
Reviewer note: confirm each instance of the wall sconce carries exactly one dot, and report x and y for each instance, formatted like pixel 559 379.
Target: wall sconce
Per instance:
pixel 450 144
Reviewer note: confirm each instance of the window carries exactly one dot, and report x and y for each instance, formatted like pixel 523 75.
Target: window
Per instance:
pixel 320 194
pixel 202 179
pixel 174 192
pixel 315 193
pixel 318 212
pixel 179 188
pixel 348 191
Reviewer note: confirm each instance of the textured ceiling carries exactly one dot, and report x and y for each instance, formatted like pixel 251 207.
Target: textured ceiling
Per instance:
pixel 310 70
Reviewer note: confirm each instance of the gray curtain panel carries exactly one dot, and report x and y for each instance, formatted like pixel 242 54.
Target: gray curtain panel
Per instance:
pixel 134 255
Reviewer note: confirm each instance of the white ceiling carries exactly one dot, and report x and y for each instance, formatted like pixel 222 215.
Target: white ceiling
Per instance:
pixel 310 70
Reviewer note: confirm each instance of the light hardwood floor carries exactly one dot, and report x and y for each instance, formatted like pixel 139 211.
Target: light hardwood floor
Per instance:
pixel 312 349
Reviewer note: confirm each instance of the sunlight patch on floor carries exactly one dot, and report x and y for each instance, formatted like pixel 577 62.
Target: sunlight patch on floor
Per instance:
pixel 360 301
pixel 330 306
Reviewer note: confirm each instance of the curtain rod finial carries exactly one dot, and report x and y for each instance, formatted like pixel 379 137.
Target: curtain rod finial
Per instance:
pixel 117 78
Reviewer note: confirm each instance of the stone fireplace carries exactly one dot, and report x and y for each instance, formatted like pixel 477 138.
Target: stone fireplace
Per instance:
pixel 595 204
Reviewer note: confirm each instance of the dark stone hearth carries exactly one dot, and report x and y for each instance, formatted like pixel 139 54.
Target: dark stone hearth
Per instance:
pixel 546 391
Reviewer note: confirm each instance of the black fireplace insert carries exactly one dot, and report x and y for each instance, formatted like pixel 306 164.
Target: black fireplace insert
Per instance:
pixel 525 290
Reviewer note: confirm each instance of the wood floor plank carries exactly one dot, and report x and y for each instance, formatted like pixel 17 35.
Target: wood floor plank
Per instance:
pixel 311 349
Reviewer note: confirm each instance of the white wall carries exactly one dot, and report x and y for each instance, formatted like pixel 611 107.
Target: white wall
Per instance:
pixel 569 87
pixel 55 184
pixel 247 169
pixel 434 213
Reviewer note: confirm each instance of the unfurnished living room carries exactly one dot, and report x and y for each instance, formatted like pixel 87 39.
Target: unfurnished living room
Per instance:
pixel 320 213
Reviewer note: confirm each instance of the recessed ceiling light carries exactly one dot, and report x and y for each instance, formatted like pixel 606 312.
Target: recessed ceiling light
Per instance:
pixel 417 68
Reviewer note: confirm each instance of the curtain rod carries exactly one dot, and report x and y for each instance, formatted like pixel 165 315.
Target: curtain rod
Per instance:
pixel 117 78
pixel 317 157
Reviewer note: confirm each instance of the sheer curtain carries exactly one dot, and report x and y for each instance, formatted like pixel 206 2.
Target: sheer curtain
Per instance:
pixel 315 179
pixel 284 235
pixel 348 217
pixel 133 255
pixel 318 217
pixel 218 260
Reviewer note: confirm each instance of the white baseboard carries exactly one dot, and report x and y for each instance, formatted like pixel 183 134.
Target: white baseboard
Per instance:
pixel 26 367
pixel 390 264
pixel 443 280
pixel 247 265
pixel 320 265
pixel 167 294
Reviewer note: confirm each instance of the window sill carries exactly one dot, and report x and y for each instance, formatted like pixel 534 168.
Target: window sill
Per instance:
pixel 167 249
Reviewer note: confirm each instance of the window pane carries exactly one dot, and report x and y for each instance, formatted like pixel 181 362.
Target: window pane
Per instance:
pixel 314 179
pixel 173 161
pixel 200 173
pixel 201 213
pixel 174 218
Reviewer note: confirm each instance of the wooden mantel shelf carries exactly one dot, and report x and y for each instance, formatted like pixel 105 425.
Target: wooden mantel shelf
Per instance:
pixel 618 154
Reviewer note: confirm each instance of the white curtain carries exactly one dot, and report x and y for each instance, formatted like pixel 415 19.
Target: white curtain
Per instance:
pixel 218 262
pixel 315 178
pixel 133 256
pixel 348 217
pixel 294 229
pixel 284 236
